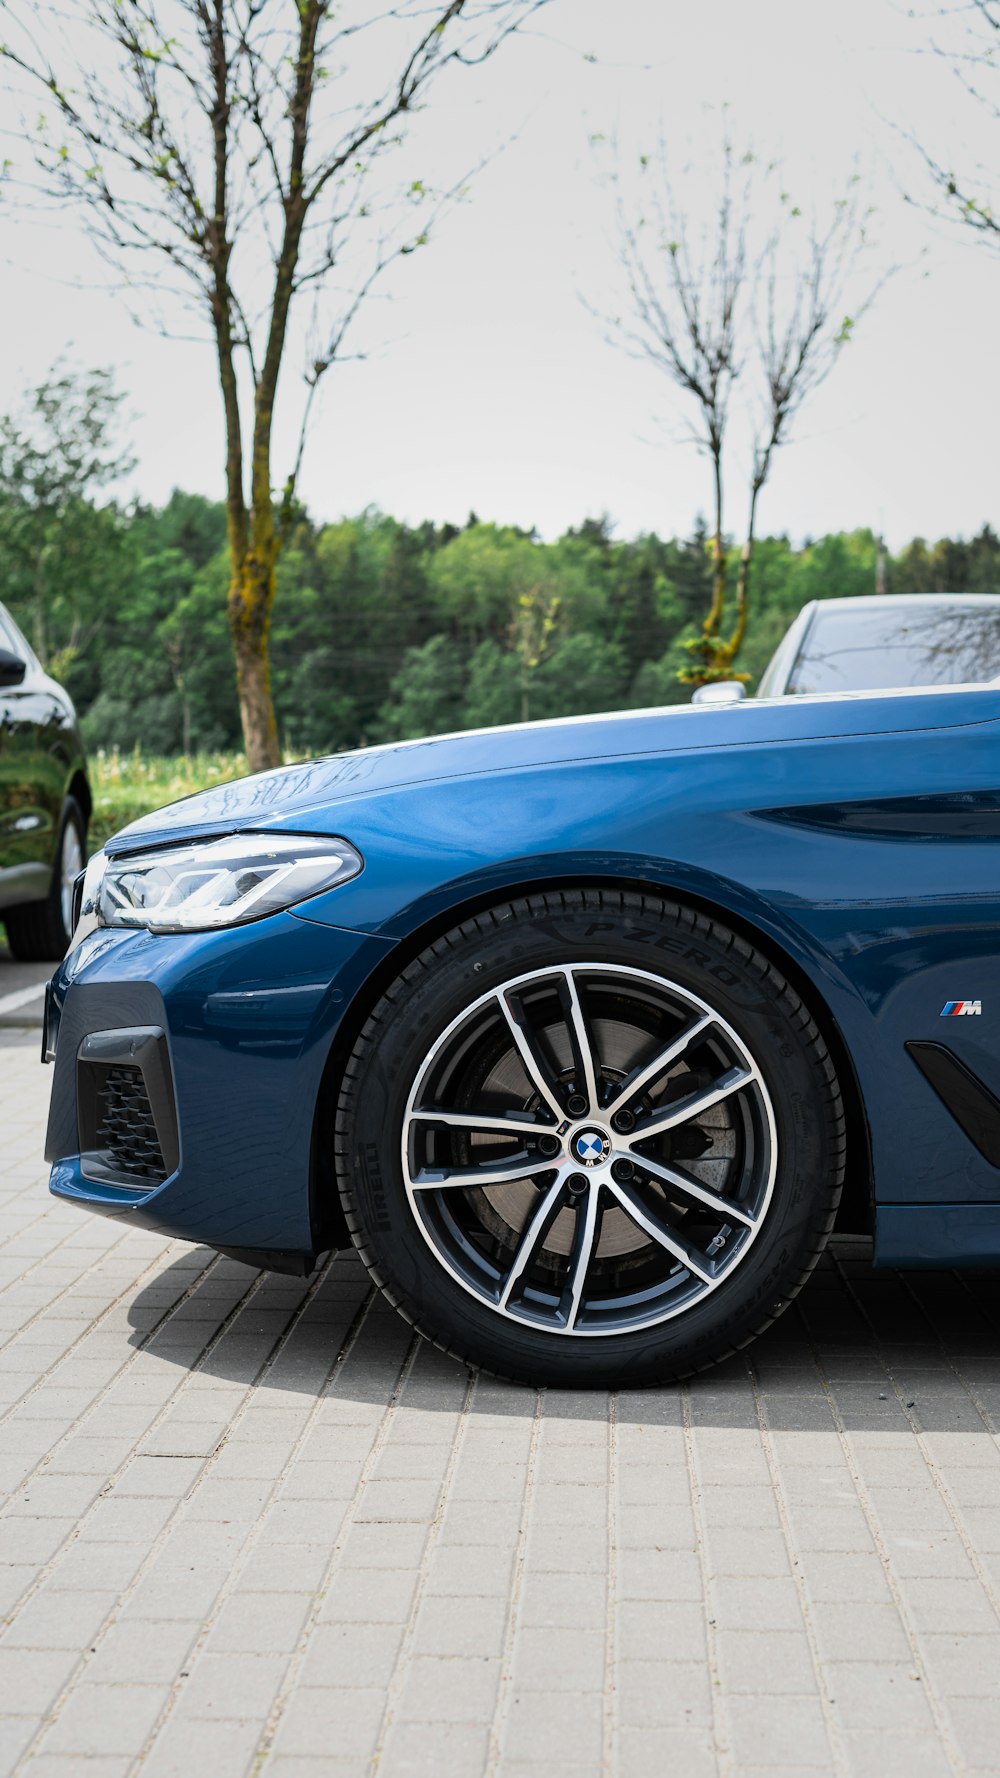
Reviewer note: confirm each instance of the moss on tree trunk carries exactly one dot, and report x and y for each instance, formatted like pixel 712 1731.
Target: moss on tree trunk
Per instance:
pixel 251 598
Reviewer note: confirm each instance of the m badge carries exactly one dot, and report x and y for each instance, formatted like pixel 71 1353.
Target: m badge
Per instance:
pixel 953 1007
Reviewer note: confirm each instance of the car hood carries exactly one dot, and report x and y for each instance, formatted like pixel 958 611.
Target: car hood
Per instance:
pixel 306 797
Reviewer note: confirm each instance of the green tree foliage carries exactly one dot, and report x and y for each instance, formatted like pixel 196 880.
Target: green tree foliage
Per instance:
pixel 584 673
pixel 385 631
pixel 160 674
pixel 493 687
pixel 950 566
pixel 64 555
pixel 425 696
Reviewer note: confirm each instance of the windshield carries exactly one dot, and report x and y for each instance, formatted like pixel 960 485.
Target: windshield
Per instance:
pixel 884 647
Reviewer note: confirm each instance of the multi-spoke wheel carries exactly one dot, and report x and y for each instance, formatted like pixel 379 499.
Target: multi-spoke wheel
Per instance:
pixel 572 1153
pixel 589 1148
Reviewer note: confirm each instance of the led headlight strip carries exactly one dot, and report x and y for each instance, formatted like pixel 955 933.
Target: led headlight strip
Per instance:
pixel 208 884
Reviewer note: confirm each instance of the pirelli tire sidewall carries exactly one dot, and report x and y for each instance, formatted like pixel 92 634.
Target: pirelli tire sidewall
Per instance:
pixel 639 931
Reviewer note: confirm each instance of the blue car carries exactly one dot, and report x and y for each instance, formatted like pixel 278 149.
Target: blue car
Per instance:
pixel 584 1033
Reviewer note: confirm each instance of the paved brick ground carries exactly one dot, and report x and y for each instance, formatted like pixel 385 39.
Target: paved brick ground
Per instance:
pixel 250 1526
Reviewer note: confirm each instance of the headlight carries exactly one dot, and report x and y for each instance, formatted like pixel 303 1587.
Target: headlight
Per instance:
pixel 213 883
pixel 87 894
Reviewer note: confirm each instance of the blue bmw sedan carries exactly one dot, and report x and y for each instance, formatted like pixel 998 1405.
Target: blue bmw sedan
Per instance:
pixel 584 1033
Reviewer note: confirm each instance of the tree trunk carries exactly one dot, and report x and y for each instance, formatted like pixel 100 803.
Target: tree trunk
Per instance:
pixel 707 649
pixel 251 596
pixel 728 653
pixel 39 630
pixel 718 606
pixel 742 585
pixel 742 603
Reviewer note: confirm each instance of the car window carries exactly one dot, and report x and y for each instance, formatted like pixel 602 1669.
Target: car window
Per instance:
pixel 7 638
pixel 12 638
pixel 775 675
pixel 885 647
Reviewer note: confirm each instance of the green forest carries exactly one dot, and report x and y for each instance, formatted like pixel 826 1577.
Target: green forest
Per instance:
pixel 384 630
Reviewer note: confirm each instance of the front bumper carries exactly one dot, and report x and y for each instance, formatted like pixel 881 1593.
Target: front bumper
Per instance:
pixel 188 1071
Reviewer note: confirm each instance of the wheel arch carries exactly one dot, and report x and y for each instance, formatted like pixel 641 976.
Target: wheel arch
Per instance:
pixel 856 1213
pixel 79 789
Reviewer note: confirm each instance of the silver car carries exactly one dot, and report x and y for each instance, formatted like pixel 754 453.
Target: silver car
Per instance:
pixel 881 643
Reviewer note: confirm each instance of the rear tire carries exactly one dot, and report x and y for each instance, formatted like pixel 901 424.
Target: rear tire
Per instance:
pixel 40 931
pixel 689 1153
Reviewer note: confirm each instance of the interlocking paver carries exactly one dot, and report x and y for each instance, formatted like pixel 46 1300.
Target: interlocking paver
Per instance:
pixel 252 1528
pixel 565 1728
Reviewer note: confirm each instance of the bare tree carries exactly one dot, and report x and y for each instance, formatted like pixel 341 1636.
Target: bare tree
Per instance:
pixel 230 152
pixel 750 303
pixel 975 63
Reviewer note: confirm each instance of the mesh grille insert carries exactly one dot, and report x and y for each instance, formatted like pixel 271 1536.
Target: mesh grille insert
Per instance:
pixel 126 1129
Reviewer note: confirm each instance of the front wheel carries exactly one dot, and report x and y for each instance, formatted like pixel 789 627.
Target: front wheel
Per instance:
pixel 590 1138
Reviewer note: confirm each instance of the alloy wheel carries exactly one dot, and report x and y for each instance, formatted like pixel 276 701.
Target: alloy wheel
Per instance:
pixel 589 1149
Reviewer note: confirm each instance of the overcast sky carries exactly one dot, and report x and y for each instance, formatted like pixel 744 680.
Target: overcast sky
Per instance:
pixel 486 383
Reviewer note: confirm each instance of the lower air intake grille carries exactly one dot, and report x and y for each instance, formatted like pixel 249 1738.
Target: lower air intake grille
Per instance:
pixel 126 1128
pixel 126 1110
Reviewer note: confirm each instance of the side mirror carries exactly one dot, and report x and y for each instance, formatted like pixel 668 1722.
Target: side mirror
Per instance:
pixel 720 691
pixel 12 668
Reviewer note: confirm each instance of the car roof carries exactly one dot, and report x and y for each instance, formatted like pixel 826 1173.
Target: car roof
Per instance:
pixel 873 601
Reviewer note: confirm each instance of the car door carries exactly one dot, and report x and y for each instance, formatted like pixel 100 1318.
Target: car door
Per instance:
pixel 32 773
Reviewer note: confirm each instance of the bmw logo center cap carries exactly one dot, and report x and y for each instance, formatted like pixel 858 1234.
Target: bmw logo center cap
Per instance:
pixel 591 1147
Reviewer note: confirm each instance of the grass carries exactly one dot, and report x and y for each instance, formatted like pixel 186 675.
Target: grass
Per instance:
pixel 127 785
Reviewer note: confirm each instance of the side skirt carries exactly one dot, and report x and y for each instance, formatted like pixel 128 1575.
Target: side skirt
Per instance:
pixel 935 1237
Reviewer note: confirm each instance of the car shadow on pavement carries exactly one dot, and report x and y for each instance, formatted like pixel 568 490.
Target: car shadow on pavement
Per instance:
pixel 860 1349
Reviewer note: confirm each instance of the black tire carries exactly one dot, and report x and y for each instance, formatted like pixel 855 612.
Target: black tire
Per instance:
pixel 605 930
pixel 37 931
